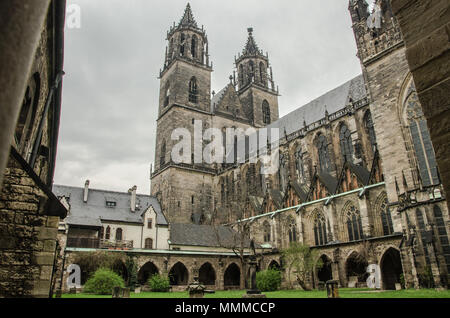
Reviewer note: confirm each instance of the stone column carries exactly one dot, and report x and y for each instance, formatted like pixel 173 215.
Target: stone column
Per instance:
pixel 364 210
pixel 328 211
pixel 21 22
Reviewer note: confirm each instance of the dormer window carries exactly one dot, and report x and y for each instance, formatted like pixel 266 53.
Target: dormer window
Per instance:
pixel 111 204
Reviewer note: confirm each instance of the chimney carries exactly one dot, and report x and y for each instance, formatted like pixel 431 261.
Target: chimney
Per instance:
pixel 86 191
pixel 133 198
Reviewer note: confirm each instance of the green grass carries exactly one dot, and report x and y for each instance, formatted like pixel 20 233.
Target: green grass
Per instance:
pixel 343 293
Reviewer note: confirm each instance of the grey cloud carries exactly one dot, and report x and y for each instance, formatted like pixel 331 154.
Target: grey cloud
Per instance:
pixel 110 94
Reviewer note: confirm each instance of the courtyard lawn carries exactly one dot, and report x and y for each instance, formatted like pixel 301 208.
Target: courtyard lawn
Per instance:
pixel 343 293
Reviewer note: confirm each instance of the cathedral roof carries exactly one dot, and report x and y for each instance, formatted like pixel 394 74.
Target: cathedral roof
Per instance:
pixel 251 48
pixel 204 235
pixel 95 210
pixel 332 101
pixel 188 18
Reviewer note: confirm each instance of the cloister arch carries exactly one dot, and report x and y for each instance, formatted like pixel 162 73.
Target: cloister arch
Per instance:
pixel 178 274
pixel 274 265
pixel 391 268
pixel 356 266
pixel 325 273
pixel 146 271
pixel 232 276
pixel 207 274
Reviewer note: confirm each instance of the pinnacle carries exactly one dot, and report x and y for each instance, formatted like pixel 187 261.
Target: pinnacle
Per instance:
pixel 188 17
pixel 251 48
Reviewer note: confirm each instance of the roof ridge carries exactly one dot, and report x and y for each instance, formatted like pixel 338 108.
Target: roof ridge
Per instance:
pixel 102 190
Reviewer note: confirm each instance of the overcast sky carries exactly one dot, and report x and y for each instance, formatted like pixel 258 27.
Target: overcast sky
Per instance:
pixel 110 90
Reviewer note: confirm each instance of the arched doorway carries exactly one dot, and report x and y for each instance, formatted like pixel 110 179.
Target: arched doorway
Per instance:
pixel 207 274
pixel 391 268
pixel 356 269
pixel 274 265
pixel 325 273
pixel 120 268
pixel 232 276
pixel 178 274
pixel 148 270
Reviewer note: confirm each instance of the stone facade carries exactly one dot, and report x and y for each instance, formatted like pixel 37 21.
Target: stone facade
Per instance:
pixel 357 167
pixel 29 211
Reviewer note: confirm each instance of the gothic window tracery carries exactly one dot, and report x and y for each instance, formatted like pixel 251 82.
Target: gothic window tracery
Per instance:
pixel 421 141
pixel 353 221
pixel 322 148
pixel 266 112
pixel 386 218
pixel 292 230
pixel 193 90
pixel 345 141
pixel 442 235
pixel 320 229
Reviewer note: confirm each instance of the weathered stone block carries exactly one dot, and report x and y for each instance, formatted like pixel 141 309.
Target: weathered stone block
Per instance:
pixel 45 233
pixel 43 258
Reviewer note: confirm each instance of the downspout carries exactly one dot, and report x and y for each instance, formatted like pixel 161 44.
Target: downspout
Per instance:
pixel 37 141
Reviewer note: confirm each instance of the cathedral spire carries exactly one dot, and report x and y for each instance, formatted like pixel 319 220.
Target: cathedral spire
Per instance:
pixel 251 48
pixel 188 18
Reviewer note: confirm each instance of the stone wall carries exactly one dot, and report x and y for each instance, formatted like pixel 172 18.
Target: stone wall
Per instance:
pixel 27 236
pixel 425 26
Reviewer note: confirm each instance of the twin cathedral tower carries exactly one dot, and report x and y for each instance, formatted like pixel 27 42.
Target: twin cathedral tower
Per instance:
pixel 186 191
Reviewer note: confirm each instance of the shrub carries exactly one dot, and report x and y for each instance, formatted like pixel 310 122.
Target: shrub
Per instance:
pixel 268 280
pixel 103 281
pixel 159 283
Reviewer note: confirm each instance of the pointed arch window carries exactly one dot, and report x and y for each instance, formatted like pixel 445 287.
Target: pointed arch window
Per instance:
pixel 182 44
pixel 442 235
pixel 345 141
pixel 292 230
pixel 241 76
pixel 354 224
pixel 167 94
pixel 162 158
pixel 251 71
pixel 368 125
pixel 194 46
pixel 324 158
pixel 386 218
pixel 193 90
pixel 421 140
pixel 422 230
pixel 262 73
pixel 266 112
pixel 251 178
pixel 267 231
pixel 320 229
pixel 108 233
pixel 299 165
pixel 102 232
